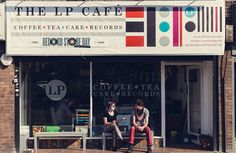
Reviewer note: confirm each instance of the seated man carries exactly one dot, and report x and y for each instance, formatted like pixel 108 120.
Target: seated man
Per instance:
pixel 140 117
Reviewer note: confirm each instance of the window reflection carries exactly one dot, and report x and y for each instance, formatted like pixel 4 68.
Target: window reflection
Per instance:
pixel 58 90
pixel 123 83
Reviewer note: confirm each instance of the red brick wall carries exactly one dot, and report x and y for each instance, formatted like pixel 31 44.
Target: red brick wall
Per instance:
pixel 6 109
pixel 228 102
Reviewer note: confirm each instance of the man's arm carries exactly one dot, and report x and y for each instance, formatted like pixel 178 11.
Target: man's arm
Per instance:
pixel 146 119
pixel 146 122
pixel 134 121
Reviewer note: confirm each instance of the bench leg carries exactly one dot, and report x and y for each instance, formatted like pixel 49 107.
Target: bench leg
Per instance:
pixel 84 142
pixel 103 142
pixel 35 142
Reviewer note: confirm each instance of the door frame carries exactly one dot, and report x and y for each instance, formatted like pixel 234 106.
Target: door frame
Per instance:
pixel 163 96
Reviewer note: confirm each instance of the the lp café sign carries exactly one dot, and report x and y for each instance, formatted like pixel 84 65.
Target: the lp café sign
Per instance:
pixel 115 28
pixel 126 90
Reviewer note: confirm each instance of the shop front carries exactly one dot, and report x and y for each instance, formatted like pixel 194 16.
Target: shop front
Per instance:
pixel 177 93
pixel 72 60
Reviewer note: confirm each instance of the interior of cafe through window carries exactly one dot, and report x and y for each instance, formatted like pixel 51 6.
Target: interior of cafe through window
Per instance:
pixel 57 95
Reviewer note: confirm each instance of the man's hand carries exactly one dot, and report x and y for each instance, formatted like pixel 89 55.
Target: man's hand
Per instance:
pixel 141 128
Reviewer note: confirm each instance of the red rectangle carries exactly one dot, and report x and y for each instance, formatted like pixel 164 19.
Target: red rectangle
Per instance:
pixel 134 41
pixel 134 12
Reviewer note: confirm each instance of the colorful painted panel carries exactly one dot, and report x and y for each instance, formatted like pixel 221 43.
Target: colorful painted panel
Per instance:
pixel 115 28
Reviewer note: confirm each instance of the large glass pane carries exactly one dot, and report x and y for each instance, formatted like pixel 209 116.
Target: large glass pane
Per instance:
pixel 58 89
pixel 123 82
pixel 176 102
pixel 194 100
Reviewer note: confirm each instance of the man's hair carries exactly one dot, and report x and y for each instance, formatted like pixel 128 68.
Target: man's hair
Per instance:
pixel 139 102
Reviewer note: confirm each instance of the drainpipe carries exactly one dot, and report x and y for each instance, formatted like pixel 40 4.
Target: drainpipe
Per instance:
pixel 17 112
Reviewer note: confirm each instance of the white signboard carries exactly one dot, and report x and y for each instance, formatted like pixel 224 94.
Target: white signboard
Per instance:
pixel 2 21
pixel 115 28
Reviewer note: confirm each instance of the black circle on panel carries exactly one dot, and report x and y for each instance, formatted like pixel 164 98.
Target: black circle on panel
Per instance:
pixel 72 41
pixel 53 41
pixel 190 26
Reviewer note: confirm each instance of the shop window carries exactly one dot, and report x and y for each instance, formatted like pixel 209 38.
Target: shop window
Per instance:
pixel 57 90
pixel 123 83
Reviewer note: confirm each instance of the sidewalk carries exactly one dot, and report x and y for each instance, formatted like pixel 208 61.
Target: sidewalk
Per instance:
pixel 136 150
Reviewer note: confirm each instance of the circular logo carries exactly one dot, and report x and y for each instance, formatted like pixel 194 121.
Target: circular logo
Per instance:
pixel 190 26
pixel 53 41
pixel 56 90
pixel 164 26
pixel 164 41
pixel 190 12
pixel 164 12
pixel 72 41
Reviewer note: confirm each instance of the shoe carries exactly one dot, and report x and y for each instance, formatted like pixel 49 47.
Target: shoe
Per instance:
pixel 114 148
pixel 149 149
pixel 124 142
pixel 130 149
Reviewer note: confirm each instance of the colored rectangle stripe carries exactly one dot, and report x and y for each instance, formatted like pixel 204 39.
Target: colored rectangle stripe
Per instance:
pixel 207 18
pixel 134 27
pixel 216 18
pixel 198 19
pixel 134 12
pixel 151 26
pixel 212 19
pixel 175 26
pixel 180 27
pixel 203 19
pixel 220 19
pixel 134 41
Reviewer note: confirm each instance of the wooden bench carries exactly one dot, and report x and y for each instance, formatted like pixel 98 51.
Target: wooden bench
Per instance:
pixel 51 135
pixel 138 135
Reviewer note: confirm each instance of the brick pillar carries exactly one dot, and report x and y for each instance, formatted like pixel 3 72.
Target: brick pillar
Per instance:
pixel 7 126
pixel 228 100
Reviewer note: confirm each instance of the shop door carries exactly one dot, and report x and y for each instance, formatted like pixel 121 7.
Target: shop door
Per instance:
pixel 194 98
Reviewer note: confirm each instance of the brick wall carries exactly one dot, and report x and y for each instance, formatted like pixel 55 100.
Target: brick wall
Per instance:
pixel 228 101
pixel 6 108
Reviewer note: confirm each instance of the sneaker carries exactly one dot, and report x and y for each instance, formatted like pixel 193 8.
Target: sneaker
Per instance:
pixel 124 142
pixel 130 149
pixel 114 149
pixel 149 149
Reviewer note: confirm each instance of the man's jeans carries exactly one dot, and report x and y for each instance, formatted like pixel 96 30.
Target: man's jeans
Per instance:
pixel 146 130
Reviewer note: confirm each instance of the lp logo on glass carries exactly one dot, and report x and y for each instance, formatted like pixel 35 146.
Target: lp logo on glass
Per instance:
pixel 56 90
